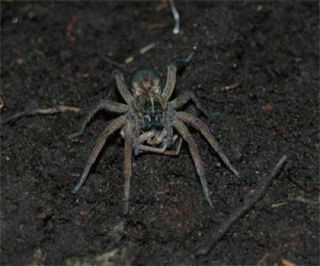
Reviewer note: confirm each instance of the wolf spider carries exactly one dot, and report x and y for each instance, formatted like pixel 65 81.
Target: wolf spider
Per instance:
pixel 147 122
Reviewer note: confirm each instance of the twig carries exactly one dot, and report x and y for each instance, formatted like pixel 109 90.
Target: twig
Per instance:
pixel 231 87
pixel 277 205
pixel 147 48
pixel 41 111
pixel 314 203
pixel 176 17
pixel 306 201
pixel 112 62
pixel 251 199
pixel 143 50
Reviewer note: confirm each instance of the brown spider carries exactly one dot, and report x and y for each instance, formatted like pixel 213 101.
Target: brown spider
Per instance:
pixel 147 123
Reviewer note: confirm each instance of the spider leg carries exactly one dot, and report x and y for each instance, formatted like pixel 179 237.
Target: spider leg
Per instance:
pixel 103 105
pixel 122 87
pixel 167 141
pixel 186 135
pixel 205 131
pixel 147 148
pixel 146 136
pixel 163 149
pixel 169 131
pixel 171 81
pixel 184 98
pixel 176 151
pixel 142 138
pixel 111 128
pixel 128 148
pixel 152 138
pixel 172 73
pixel 158 137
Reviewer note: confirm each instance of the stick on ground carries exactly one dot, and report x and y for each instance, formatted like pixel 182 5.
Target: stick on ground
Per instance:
pixel 41 111
pixel 176 17
pixel 250 200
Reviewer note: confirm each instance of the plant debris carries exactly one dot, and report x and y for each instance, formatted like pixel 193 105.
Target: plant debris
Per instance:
pixel 41 111
pixel 250 200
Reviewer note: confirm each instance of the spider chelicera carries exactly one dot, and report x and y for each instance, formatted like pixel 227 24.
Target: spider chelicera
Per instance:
pixel 150 122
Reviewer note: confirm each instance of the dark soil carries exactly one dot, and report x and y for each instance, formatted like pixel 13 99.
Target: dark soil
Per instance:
pixel 55 53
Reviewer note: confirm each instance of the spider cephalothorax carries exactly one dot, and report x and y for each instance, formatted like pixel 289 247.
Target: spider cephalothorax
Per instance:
pixel 150 122
pixel 148 106
pixel 145 80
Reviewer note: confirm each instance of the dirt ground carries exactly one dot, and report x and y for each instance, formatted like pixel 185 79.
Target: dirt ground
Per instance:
pixel 257 73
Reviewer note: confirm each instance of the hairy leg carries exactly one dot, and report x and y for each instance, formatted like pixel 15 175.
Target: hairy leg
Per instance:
pixel 146 136
pixel 141 139
pixel 171 81
pixel 114 125
pixel 205 131
pixel 184 98
pixel 147 148
pixel 186 135
pixel 169 130
pixel 107 105
pixel 163 149
pixel 128 148
pixel 122 87
pixel 152 138
pixel 158 138
pixel 176 151
pixel 172 73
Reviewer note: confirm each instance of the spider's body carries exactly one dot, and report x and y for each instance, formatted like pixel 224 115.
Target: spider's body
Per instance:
pixel 150 122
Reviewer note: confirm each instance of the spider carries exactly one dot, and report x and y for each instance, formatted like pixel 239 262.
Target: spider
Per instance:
pixel 151 122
